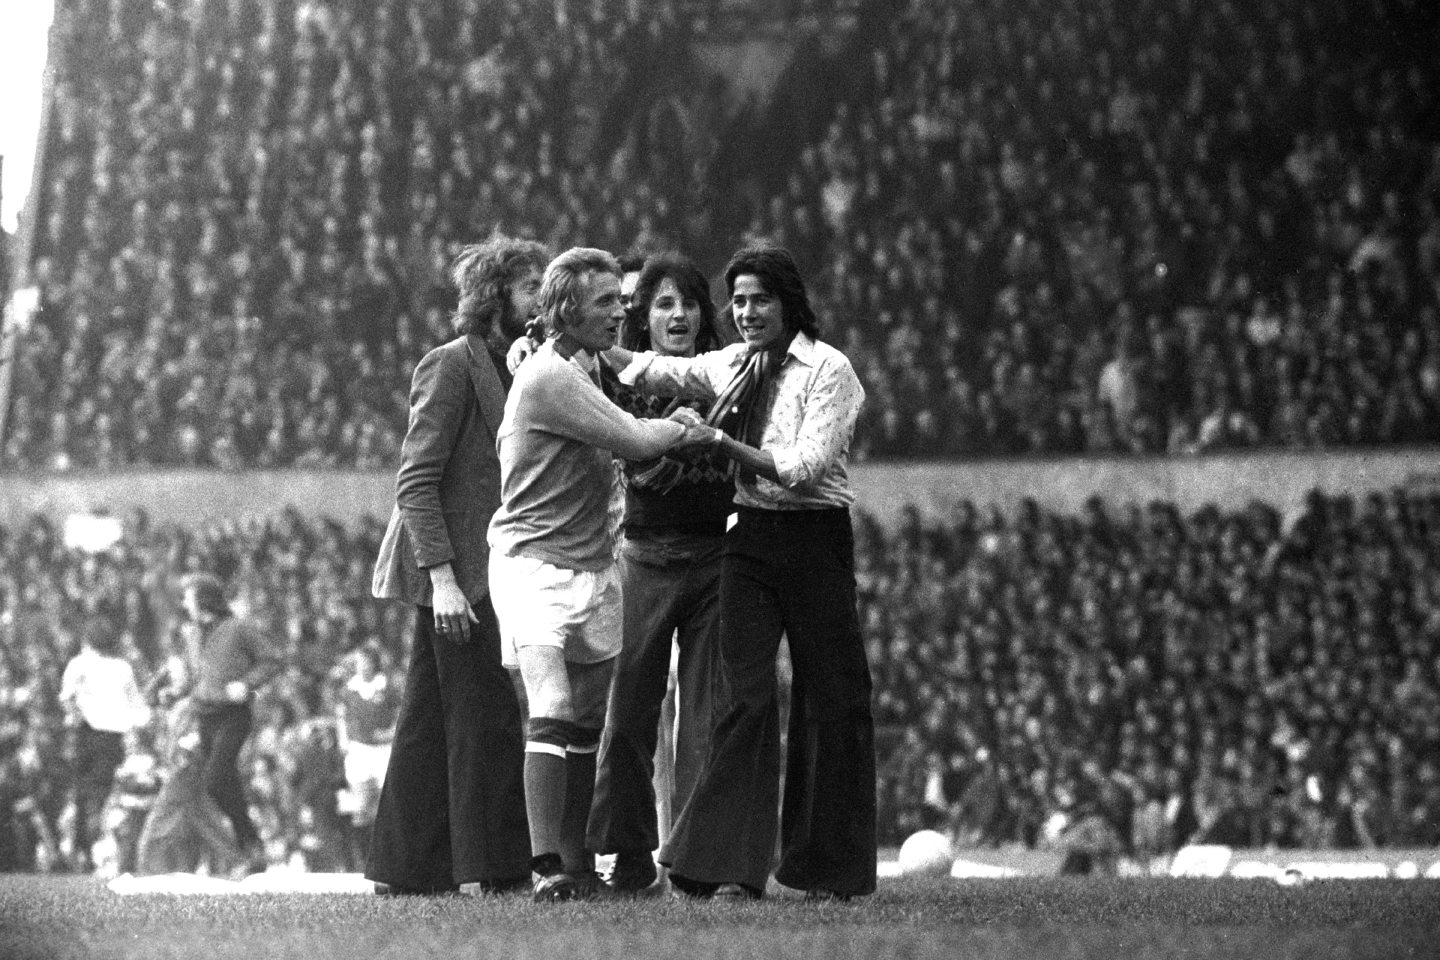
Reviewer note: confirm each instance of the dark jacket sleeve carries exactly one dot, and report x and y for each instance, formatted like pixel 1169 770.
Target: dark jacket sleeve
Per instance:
pixel 439 398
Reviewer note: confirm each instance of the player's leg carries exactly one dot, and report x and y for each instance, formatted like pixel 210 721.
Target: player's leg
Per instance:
pixel 223 732
pixel 589 686
pixel 547 734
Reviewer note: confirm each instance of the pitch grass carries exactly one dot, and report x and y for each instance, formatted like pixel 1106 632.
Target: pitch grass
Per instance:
pixel 42 918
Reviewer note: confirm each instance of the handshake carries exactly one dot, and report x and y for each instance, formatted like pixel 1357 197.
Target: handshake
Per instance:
pixel 697 431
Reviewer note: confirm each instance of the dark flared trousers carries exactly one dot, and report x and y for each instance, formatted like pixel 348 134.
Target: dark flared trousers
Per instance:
pixel 452 809
pixel 98 753
pixel 678 600
pixel 223 729
pixel 792 574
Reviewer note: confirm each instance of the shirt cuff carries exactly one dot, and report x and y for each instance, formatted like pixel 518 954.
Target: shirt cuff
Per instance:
pixel 633 371
pixel 789 466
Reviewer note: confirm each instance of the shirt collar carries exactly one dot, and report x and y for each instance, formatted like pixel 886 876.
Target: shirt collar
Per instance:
pixel 588 363
pixel 802 348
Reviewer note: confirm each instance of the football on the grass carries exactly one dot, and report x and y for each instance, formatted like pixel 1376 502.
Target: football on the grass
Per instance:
pixel 926 853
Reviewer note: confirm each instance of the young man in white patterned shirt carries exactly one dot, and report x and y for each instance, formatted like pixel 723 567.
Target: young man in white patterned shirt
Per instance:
pixel 789 404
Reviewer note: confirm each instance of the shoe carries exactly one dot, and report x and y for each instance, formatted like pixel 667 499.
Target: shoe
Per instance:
pixel 400 890
pixel 734 892
pixel 500 888
pixel 555 887
pixel 821 895
pixel 684 887
pixel 634 874
pixel 589 885
pixel 552 883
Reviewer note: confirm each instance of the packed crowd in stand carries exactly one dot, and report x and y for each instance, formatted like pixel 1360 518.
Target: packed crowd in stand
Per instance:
pixel 1231 677
pixel 1034 228
pixel 250 205
pixel 1113 227
pixel 1225 677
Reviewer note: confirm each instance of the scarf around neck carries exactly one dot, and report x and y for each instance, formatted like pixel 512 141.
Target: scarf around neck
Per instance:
pixel 739 411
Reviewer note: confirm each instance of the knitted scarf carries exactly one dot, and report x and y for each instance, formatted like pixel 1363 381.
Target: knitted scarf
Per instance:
pixel 738 411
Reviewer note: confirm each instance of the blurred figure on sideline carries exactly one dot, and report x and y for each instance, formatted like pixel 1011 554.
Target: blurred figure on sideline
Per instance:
pixel 102 704
pixel 229 661
pixel 366 707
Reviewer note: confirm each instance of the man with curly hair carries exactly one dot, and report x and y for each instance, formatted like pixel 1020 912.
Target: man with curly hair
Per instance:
pixel 452 808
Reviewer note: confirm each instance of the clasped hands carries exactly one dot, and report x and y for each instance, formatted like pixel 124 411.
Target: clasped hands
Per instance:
pixel 697 431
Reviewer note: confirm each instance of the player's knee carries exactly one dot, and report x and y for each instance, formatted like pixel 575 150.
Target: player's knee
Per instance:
pixel 547 688
pixel 550 735
pixel 590 692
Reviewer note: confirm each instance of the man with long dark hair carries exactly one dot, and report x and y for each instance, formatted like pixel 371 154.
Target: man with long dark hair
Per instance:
pixel 675 511
pixel 452 808
pixel 787 403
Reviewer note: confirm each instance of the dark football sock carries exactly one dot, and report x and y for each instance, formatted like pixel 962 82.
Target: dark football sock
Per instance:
pixel 545 778
pixel 579 792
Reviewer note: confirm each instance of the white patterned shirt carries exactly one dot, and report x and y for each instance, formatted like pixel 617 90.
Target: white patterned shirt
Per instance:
pixel 808 425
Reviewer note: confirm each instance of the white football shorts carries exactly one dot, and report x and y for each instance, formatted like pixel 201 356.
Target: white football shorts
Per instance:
pixel 541 605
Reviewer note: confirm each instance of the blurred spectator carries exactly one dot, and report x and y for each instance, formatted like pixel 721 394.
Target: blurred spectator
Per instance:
pixel 102 704
pixel 366 708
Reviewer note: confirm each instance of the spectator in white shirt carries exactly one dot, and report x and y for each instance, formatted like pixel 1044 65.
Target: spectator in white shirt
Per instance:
pixel 102 704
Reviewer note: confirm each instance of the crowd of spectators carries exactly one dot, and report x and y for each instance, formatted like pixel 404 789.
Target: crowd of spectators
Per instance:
pixel 249 206
pixel 1035 227
pixel 1233 677
pixel 304 582
pixel 1150 227
pixel 1228 676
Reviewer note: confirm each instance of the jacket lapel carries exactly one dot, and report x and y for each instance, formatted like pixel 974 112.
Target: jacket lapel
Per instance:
pixel 488 391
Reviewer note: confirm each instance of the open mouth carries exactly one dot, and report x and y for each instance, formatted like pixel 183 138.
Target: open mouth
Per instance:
pixel 678 330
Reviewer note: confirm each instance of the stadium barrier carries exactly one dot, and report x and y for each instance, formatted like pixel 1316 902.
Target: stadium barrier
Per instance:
pixel 1206 861
pixel 1300 865
pixel 1228 481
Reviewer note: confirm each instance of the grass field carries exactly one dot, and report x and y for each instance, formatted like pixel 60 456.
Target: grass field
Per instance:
pixel 55 917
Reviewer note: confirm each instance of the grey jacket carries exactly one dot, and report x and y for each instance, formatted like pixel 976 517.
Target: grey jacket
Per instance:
pixel 449 481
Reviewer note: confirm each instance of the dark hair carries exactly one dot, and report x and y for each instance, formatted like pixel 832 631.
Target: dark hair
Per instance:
pixel 631 261
pixel 775 268
pixel 101 636
pixel 483 273
pixel 635 335
pixel 209 593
